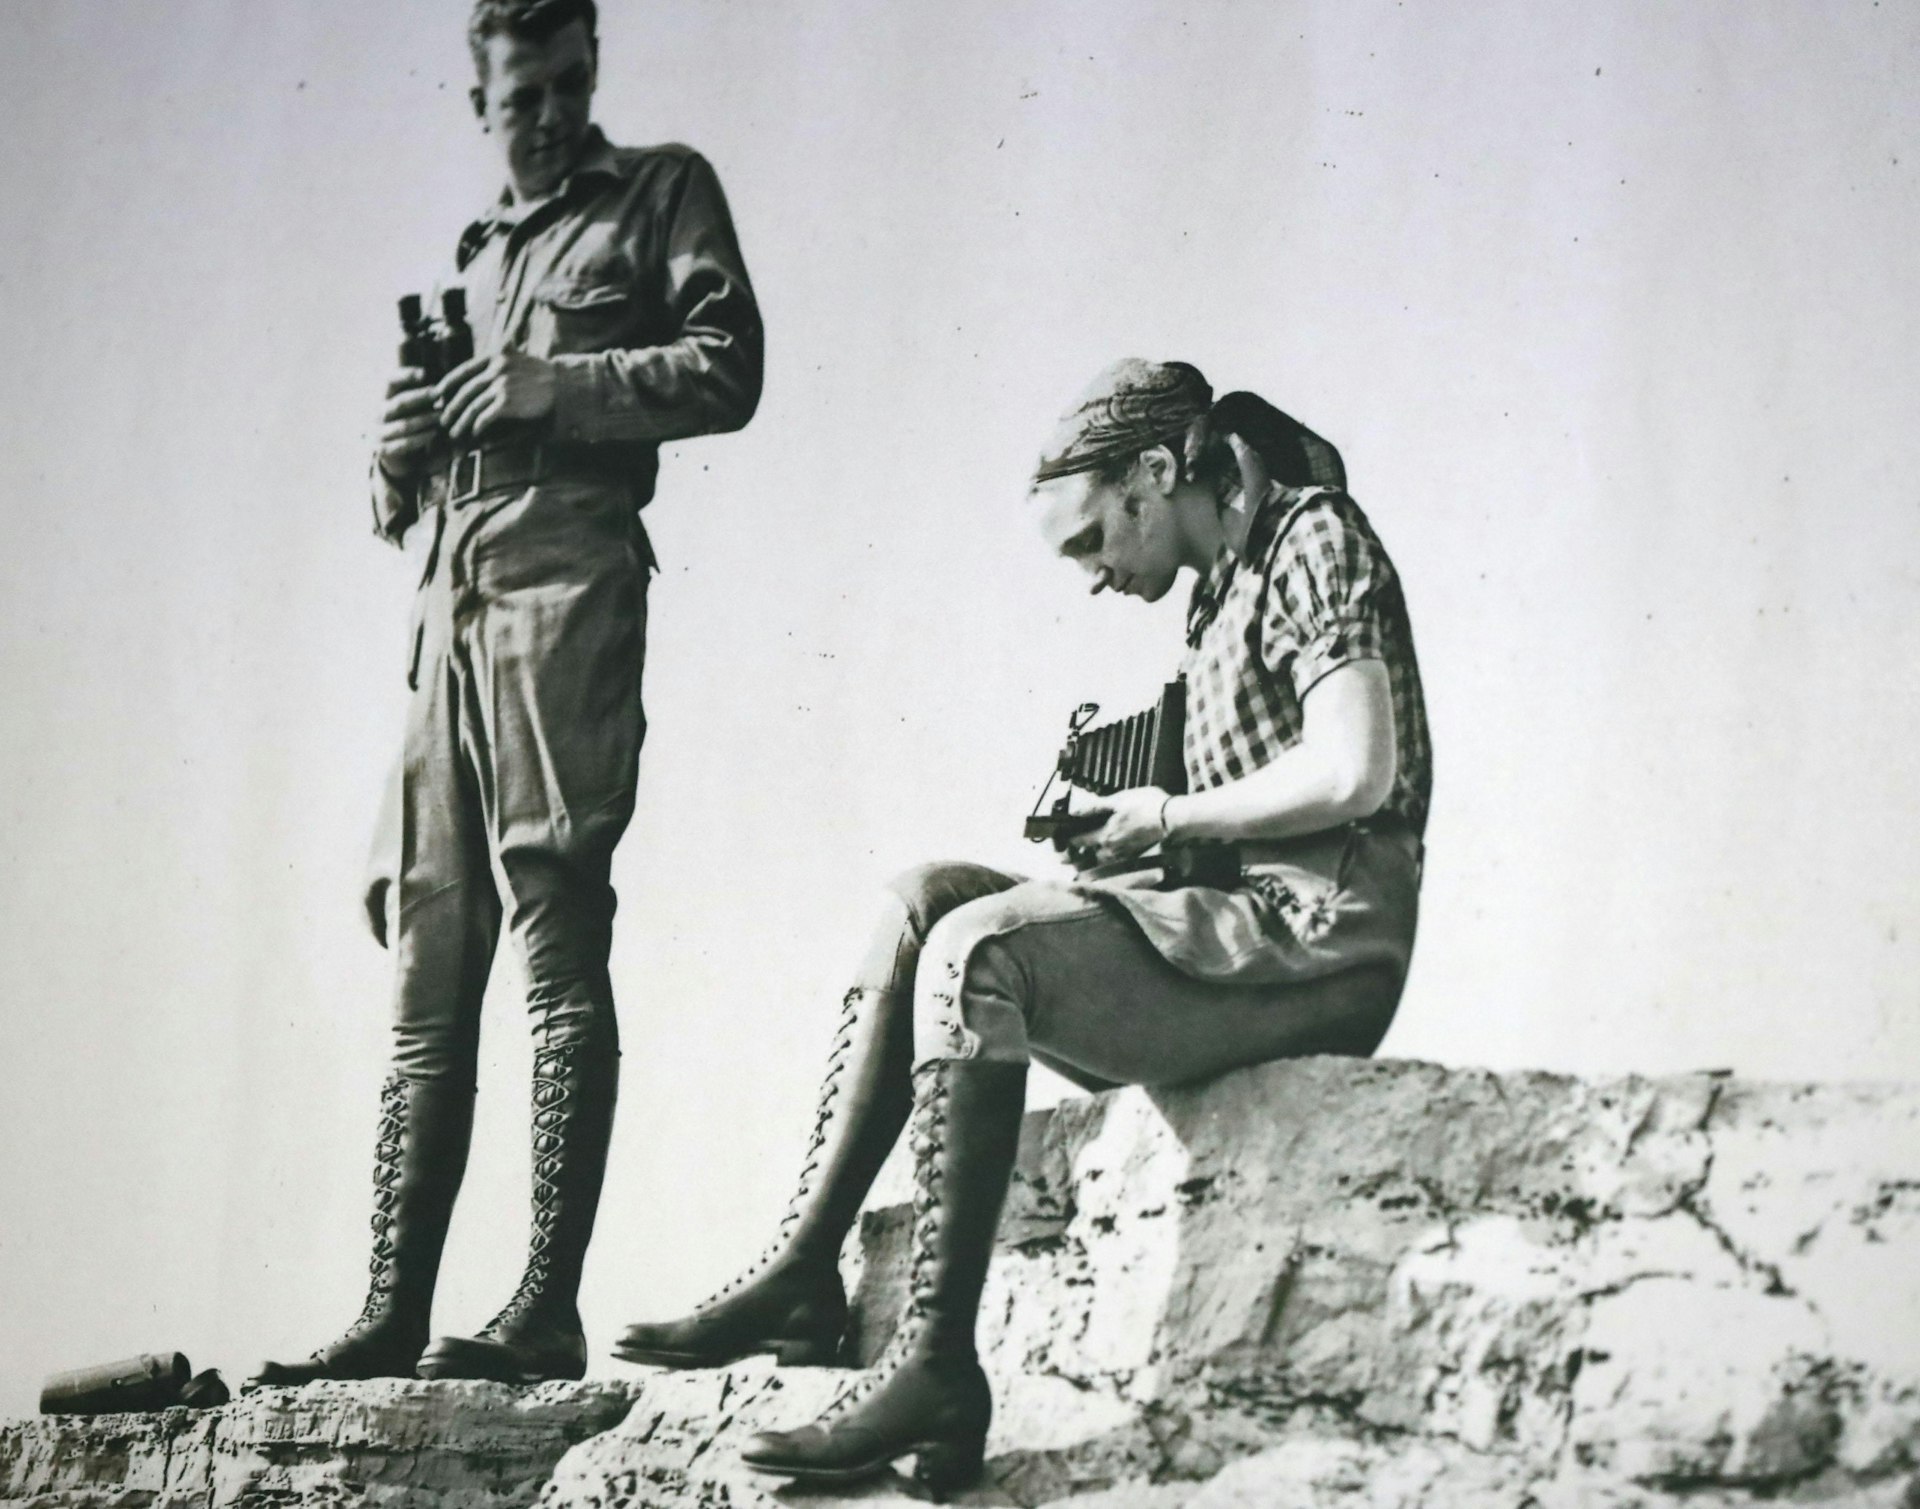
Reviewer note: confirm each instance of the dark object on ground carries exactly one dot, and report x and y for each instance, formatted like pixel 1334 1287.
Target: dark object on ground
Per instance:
pixel 207 1390
pixel 151 1381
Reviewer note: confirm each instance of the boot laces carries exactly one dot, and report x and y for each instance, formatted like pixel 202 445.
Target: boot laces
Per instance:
pixel 837 1057
pixel 386 1201
pixel 929 1142
pixel 552 1077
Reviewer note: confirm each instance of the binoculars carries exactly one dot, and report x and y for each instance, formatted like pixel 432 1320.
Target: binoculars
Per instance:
pixel 435 346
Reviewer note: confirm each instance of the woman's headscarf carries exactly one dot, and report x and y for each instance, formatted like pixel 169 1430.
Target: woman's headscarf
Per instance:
pixel 1135 405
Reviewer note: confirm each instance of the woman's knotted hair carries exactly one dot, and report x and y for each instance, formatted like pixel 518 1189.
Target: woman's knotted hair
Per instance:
pixel 1135 405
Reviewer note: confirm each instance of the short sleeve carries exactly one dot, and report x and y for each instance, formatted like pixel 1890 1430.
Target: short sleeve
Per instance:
pixel 1324 588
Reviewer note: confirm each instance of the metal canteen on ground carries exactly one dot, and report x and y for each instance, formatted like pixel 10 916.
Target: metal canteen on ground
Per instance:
pixel 153 1380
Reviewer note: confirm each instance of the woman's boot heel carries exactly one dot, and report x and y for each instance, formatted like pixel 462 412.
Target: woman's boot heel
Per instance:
pixel 945 1467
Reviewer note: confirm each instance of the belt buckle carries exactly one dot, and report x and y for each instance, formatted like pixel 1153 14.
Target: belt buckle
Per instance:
pixel 455 492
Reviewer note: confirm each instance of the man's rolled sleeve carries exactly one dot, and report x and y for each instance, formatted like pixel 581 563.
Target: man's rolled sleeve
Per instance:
pixel 706 380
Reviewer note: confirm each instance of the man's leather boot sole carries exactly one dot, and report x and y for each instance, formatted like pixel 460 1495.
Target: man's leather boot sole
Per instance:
pixel 314 1370
pixel 420 1153
pixel 497 1362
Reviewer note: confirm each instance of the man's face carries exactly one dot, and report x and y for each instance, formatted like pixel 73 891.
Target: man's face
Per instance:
pixel 535 98
pixel 1120 533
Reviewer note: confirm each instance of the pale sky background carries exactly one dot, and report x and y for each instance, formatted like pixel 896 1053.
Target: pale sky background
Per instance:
pixel 1610 306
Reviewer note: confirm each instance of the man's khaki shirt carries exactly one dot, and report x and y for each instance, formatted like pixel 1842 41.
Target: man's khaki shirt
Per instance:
pixel 629 280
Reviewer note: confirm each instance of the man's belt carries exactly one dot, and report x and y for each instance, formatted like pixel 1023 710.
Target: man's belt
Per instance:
pixel 510 466
pixel 494 469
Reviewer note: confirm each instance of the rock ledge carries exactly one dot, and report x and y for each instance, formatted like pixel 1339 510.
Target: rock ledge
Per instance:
pixel 1327 1282
pixel 383 1442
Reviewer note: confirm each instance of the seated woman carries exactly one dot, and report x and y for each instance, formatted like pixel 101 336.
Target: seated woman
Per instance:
pixel 1306 750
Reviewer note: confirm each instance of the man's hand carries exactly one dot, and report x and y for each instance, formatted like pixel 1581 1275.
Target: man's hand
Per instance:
pixel 408 424
pixel 489 390
pixel 374 899
pixel 1132 827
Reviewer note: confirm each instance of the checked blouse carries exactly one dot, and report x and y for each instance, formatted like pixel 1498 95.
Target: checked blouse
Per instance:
pixel 1314 592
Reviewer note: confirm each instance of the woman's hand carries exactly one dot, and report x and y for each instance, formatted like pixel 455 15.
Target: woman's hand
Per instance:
pixel 1133 826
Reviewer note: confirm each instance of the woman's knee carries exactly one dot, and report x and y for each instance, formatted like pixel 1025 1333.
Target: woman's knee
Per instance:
pixel 930 892
pixel 974 995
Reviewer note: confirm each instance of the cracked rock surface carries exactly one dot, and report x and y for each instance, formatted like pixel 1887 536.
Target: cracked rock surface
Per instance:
pixel 384 1442
pixel 1327 1282
pixel 1338 1282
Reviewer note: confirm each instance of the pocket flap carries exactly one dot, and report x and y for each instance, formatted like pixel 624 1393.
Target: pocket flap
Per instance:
pixel 581 296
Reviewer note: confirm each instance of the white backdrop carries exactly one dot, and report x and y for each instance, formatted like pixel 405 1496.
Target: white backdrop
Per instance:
pixel 1611 307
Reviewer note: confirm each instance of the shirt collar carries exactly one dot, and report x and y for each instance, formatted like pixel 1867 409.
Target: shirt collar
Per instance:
pixel 1270 516
pixel 598 160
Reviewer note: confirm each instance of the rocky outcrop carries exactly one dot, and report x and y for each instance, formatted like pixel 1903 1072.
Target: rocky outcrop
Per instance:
pixel 1331 1282
pixel 383 1443
pixel 1319 1283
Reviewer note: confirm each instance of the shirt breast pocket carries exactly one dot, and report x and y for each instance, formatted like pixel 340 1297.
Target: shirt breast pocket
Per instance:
pixel 572 316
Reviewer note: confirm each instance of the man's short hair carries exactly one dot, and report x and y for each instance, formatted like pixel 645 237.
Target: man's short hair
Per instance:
pixel 529 20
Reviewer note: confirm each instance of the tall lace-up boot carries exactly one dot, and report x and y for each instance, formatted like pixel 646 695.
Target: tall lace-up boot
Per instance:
pixel 790 1300
pixel 537 1335
pixel 419 1158
pixel 927 1395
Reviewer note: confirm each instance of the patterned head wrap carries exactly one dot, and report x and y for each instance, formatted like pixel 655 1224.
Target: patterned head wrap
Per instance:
pixel 1134 405
pixel 1131 406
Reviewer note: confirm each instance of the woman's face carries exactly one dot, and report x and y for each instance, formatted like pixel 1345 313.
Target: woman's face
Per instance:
pixel 1121 533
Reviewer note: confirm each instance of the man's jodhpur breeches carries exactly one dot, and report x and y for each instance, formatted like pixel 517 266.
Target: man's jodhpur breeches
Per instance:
pixel 518 770
pixel 515 783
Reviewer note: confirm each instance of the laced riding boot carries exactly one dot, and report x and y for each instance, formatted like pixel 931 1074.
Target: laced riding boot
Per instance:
pixel 927 1395
pixel 419 1157
pixel 790 1300
pixel 537 1335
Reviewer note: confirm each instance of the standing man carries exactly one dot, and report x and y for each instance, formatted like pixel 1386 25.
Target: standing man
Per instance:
pixel 611 312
